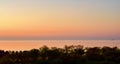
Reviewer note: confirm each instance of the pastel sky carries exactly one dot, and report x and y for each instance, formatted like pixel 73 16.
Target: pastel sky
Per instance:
pixel 59 19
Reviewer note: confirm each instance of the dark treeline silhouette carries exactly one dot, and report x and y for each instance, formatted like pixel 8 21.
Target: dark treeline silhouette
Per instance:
pixel 67 55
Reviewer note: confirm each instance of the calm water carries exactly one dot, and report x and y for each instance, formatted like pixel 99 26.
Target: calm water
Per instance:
pixel 30 44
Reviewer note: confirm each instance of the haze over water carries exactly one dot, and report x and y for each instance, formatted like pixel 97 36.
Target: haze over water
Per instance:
pixel 18 45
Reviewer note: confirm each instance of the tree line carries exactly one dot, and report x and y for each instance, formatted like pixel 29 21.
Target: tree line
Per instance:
pixel 68 55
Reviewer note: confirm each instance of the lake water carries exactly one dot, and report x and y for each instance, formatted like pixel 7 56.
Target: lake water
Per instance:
pixel 30 44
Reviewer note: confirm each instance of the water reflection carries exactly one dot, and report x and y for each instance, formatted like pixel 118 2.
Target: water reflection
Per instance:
pixel 30 44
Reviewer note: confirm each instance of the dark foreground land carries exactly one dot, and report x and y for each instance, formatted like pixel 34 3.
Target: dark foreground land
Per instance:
pixel 66 55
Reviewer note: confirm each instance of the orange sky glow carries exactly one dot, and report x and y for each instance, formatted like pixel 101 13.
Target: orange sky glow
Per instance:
pixel 24 20
pixel 63 19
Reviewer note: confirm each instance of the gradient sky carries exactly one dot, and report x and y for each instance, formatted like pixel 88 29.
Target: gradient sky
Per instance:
pixel 59 19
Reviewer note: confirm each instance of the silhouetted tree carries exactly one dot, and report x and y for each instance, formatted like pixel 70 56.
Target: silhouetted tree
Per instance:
pixel 67 55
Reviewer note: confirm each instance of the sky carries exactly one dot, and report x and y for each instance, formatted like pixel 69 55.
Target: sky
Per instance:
pixel 59 19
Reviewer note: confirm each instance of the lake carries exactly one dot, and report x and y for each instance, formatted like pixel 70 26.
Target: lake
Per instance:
pixel 18 45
